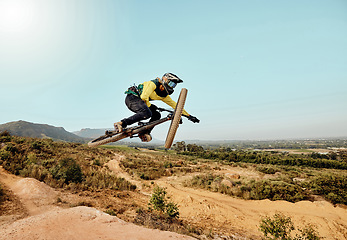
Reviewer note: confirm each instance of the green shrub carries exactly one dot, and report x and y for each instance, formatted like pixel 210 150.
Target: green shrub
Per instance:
pixel 257 190
pixel 158 199
pixel 104 179
pixel 267 169
pixel 4 154
pixel 68 171
pixel 11 148
pixel 308 233
pixel 146 169
pixel 172 210
pixel 111 212
pixel 5 133
pixel 37 145
pixel 96 162
pixel 160 203
pixel 265 158
pixel 211 182
pixel 280 227
pixel 276 190
pixel 5 136
pixel 332 186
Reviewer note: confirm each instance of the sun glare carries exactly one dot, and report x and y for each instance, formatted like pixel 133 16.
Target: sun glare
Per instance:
pixel 16 15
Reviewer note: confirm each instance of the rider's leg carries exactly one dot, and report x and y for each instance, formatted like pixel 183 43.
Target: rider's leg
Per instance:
pixel 146 136
pixel 155 116
pixel 136 105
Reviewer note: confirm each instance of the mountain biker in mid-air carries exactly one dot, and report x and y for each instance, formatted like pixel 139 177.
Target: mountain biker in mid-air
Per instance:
pixel 138 101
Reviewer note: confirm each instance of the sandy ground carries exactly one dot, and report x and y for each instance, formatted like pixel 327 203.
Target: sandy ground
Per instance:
pixel 210 211
pixel 215 211
pixel 50 222
pixel 229 214
pixel 79 223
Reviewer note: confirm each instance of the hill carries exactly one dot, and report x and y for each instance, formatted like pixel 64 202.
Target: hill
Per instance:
pixel 90 133
pixel 28 129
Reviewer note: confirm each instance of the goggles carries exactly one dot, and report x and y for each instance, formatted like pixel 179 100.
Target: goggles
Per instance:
pixel 171 84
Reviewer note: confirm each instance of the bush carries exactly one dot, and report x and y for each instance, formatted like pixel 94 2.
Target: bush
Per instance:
pixel 332 186
pixel 211 182
pixel 276 190
pixel 103 179
pixel 280 227
pixel 37 145
pixel 172 210
pixel 5 133
pixel 111 212
pixel 146 169
pixel 267 169
pixel 4 155
pixel 68 171
pixel 256 190
pixel 160 203
pixel 5 136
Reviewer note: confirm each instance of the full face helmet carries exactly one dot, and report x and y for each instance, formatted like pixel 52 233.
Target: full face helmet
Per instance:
pixel 169 81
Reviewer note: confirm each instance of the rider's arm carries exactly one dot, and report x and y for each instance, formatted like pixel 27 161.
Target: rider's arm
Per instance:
pixel 148 89
pixel 168 100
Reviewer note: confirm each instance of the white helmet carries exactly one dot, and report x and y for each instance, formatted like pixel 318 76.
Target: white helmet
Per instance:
pixel 171 82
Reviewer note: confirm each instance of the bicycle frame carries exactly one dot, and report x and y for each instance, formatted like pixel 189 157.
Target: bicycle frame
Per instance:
pixel 130 132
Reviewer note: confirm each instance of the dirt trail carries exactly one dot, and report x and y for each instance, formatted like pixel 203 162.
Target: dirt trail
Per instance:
pixel 80 223
pixel 114 165
pixel 217 211
pixel 50 222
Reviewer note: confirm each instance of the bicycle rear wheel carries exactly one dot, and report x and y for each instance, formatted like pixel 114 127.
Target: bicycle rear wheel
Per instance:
pixel 105 139
pixel 176 118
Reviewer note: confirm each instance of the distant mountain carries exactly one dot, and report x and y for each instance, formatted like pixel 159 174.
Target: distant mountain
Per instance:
pixel 90 133
pixel 28 129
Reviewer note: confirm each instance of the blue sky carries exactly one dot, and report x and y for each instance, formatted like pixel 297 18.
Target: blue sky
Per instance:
pixel 253 69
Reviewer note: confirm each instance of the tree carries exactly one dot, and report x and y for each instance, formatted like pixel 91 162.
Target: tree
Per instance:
pixel 180 146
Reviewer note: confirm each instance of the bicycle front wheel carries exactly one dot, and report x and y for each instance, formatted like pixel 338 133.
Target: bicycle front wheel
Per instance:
pixel 176 118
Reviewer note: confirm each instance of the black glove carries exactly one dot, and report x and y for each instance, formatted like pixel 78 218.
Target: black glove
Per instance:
pixel 193 119
pixel 153 108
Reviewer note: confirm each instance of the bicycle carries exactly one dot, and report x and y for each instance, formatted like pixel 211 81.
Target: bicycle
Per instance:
pixel 174 116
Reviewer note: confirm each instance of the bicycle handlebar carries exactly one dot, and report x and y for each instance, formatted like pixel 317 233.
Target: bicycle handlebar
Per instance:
pixel 170 111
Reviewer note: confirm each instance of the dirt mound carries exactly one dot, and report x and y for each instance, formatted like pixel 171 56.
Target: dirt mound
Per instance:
pixel 34 195
pixel 80 223
pixel 43 219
